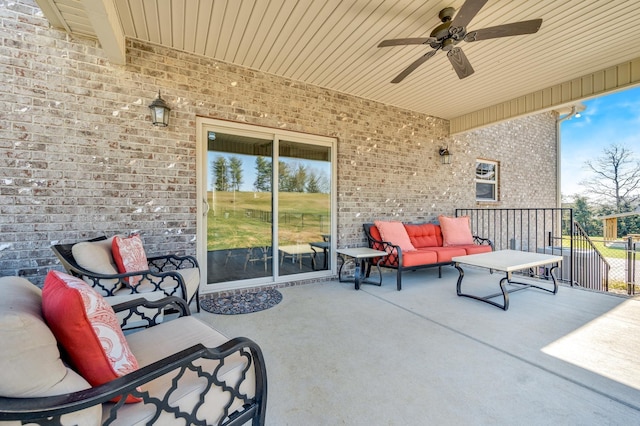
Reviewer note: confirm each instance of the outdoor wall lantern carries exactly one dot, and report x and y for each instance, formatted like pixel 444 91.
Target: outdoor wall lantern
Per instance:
pixel 159 112
pixel 445 155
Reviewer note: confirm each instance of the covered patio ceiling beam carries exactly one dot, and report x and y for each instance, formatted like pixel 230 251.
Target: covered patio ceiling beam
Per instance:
pixel 93 18
pixel 104 19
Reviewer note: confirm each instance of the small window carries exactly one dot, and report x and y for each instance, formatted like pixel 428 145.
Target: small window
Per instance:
pixel 486 180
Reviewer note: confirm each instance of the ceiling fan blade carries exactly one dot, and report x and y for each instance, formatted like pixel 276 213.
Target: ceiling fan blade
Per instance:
pixel 406 41
pixel 411 68
pixel 466 13
pixel 460 62
pixel 506 30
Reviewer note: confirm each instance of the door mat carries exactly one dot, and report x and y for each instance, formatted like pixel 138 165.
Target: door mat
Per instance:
pixel 244 303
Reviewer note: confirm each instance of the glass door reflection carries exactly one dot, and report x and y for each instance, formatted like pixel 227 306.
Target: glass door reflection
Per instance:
pixel 240 220
pixel 304 207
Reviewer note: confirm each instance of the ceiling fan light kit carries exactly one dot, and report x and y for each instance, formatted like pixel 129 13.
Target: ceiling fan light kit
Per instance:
pixel 452 31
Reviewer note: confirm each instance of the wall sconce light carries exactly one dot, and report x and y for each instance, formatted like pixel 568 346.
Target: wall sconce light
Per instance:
pixel 445 155
pixel 159 112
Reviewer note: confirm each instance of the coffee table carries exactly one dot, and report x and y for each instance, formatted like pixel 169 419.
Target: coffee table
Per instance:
pixel 507 261
pixel 358 255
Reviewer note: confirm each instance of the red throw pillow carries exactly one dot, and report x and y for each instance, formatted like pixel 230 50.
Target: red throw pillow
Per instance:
pixel 86 326
pixel 456 231
pixel 129 255
pixel 395 233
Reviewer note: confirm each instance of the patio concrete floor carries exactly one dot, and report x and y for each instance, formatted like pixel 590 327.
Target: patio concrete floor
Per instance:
pixel 424 356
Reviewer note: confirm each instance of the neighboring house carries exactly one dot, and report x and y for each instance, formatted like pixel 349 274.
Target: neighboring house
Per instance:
pixel 80 158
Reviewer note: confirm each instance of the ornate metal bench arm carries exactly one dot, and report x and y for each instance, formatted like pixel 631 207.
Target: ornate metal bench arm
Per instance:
pixel 395 252
pixel 48 410
pixel 151 311
pixel 161 273
pixel 158 281
pixel 171 262
pixel 483 241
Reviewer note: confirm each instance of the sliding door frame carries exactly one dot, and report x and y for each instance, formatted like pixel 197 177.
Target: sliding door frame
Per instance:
pixel 204 125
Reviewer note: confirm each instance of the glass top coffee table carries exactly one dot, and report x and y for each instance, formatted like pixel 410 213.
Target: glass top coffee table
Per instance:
pixel 508 261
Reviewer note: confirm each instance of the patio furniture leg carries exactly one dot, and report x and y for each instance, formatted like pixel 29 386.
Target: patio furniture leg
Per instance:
pixel 552 272
pixel 487 299
pixel 360 275
pixel 504 292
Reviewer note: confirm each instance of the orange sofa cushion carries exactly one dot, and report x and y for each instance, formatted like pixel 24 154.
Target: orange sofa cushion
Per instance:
pixel 418 258
pixel 375 233
pixel 424 235
pixel 444 254
pixel 475 249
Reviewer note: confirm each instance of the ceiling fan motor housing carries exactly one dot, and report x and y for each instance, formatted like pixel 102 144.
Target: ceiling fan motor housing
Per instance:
pixel 447 37
pixel 446 14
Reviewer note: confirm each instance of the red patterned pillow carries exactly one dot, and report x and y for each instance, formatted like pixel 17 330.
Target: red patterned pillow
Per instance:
pixel 86 326
pixel 129 255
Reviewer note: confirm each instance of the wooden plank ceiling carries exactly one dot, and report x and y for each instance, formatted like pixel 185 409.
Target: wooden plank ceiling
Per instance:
pixel 333 43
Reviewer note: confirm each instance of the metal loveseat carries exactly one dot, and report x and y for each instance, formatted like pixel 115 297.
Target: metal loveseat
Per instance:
pixel 428 248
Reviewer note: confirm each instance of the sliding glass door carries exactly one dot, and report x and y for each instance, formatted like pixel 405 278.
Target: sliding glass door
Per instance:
pixel 304 206
pixel 246 174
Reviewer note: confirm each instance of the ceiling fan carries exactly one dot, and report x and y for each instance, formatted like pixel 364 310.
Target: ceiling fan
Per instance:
pixel 452 31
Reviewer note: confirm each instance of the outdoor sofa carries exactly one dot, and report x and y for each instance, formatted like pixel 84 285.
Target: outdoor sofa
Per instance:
pixel 181 371
pixel 422 245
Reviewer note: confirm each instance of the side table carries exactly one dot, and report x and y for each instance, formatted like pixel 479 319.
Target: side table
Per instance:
pixel 357 255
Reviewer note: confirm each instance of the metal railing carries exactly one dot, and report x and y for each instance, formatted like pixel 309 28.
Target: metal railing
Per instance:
pixel 632 269
pixel 589 264
pixel 544 230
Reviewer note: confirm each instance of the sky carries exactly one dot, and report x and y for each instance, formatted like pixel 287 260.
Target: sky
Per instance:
pixel 320 168
pixel 609 119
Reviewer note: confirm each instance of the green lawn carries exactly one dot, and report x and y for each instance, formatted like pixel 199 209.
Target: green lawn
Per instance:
pixel 243 219
pixel 613 251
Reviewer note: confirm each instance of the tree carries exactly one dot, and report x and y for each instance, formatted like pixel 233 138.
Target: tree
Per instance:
pixel 629 224
pixel 313 184
pixel 235 173
pixel 284 177
pixel 299 179
pixel 584 216
pixel 263 175
pixel 221 173
pixel 617 177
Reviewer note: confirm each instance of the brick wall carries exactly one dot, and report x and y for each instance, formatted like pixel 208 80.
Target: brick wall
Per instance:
pixel 526 153
pixel 79 157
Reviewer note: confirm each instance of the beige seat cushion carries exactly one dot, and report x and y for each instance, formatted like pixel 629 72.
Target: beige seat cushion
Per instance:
pixel 95 256
pixel 153 344
pixel 29 355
